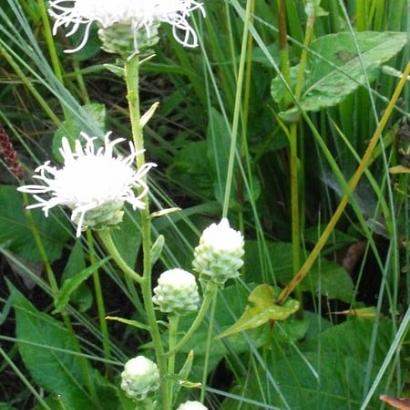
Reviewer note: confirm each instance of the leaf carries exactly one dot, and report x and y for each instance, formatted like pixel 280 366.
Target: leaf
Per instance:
pixel 327 373
pixel 262 309
pixel 128 322
pixel 339 70
pixel 16 231
pixel 127 237
pixel 157 248
pixel 83 296
pixel 326 277
pixel 48 352
pixel 72 284
pixel 399 169
pixel 72 127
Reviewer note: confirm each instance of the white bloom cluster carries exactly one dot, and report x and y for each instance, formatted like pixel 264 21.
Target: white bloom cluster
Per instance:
pixel 140 378
pixel 138 14
pixel 192 405
pixel 94 183
pixel 177 292
pixel 218 257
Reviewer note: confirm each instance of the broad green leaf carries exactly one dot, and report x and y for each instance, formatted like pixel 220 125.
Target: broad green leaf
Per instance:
pixel 127 237
pixel 328 372
pixel 262 309
pixel 326 277
pixel 72 127
pixel 340 70
pixel 49 354
pixel 72 284
pixel 15 228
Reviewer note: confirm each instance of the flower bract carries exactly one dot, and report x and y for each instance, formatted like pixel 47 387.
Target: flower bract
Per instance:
pixel 218 257
pixel 192 405
pixel 138 14
pixel 177 292
pixel 94 183
pixel 140 378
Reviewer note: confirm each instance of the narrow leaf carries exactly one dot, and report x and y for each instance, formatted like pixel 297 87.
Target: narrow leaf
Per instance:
pixel 73 283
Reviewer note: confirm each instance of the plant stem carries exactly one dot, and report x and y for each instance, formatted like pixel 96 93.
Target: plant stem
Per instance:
pixel 237 109
pixel 99 300
pixel 173 334
pixel 208 346
pixel 293 154
pixel 303 271
pixel 210 290
pixel 55 62
pixel 132 79
pixel 106 239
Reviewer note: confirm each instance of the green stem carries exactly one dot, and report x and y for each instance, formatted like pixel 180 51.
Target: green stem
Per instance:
pixel 48 35
pixel 208 346
pixel 172 339
pixel 293 153
pixel 352 185
pixel 99 299
pixel 210 290
pixel 131 78
pixel 237 108
pixel 106 239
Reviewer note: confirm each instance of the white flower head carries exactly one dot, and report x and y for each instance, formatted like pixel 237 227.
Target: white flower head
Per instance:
pixel 192 405
pixel 93 182
pixel 138 14
pixel 218 257
pixel 177 292
pixel 140 378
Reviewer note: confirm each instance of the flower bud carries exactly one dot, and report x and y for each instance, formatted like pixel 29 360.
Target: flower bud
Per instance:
pixel 140 378
pixel 177 292
pixel 122 39
pixel 192 405
pixel 218 257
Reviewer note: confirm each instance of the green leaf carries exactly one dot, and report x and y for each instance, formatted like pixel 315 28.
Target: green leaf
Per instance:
pixel 157 248
pixel 16 231
pixel 49 354
pixel 82 297
pixel 327 373
pixel 340 70
pixel 72 284
pixel 127 237
pixel 72 127
pixel 326 277
pixel 262 309
pixel 129 322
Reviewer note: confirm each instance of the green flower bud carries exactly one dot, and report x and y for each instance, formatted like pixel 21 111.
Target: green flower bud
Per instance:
pixel 122 39
pixel 177 292
pixel 140 378
pixel 192 405
pixel 218 257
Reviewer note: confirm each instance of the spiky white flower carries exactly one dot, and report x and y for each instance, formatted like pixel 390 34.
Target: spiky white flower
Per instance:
pixel 93 182
pixel 140 378
pixel 192 405
pixel 177 292
pixel 218 257
pixel 138 14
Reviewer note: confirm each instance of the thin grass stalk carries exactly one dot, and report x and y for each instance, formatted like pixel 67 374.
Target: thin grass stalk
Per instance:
pixel 351 187
pixel 237 108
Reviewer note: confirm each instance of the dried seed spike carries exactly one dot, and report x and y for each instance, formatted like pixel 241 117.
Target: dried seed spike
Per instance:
pixel 9 154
